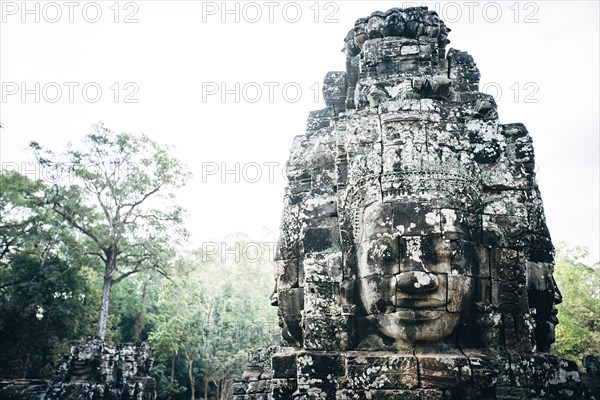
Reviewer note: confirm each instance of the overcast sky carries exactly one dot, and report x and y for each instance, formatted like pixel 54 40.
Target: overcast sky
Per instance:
pixel 230 84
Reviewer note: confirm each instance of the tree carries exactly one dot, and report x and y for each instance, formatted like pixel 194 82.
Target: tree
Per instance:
pixel 177 324
pixel 578 332
pixel 211 314
pixel 17 217
pixel 50 306
pixel 130 302
pixel 116 191
pixel 238 316
pixel 46 292
pixel 24 224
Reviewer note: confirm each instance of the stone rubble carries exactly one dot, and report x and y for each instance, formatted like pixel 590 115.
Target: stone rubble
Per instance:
pixel 93 371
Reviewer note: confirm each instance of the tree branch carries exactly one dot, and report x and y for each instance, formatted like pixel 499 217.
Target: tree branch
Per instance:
pixel 6 248
pixel 132 206
pixel 80 227
pixel 126 274
pixel 5 285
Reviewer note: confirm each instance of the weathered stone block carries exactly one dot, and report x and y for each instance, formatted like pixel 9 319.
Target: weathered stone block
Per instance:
pixel 464 258
pixel 287 273
pixel 284 365
pixel 320 208
pixel 328 333
pixel 283 389
pixel 322 299
pixel 484 369
pixel 445 371
pixel 239 388
pixel 323 268
pixel 322 236
pixel 251 374
pixel 291 301
pixel 334 88
pixel 457 287
pixel 412 219
pixel 318 370
pixel 319 119
pixel 382 372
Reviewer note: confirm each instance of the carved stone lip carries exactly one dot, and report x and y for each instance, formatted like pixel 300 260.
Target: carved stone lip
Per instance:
pixel 421 303
pixel 419 314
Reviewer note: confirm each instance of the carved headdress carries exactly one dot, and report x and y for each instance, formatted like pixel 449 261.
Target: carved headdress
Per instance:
pixel 406 121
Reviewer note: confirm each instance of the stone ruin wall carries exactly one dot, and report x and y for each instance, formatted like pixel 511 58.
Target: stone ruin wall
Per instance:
pixel 93 371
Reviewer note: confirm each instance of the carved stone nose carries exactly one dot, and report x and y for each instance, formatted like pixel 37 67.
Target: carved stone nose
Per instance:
pixel 416 282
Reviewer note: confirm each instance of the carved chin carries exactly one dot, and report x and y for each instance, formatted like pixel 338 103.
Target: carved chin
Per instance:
pixel 417 325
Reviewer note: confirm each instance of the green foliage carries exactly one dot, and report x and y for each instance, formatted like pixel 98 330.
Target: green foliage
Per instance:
pixel 19 202
pixel 131 301
pixel 108 214
pixel 578 331
pixel 25 224
pixel 52 305
pixel 211 315
pixel 117 192
pixel 47 294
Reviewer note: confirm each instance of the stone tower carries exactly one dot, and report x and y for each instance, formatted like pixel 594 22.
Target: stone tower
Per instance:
pixel 414 260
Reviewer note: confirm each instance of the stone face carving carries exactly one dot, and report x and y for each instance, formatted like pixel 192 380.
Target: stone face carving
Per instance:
pixel 412 182
pixel 406 282
pixel 414 259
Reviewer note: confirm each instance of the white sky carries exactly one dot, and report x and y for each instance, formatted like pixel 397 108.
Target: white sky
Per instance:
pixel 178 50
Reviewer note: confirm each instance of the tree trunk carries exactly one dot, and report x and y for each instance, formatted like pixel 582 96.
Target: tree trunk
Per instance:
pixel 205 388
pixel 140 318
pixel 108 282
pixel 26 364
pixel 172 376
pixel 226 389
pixel 190 361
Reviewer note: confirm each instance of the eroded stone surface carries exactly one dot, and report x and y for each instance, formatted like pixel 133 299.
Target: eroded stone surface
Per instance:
pixel 414 258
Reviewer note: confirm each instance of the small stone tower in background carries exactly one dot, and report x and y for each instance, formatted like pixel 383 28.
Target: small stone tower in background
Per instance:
pixel 93 371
